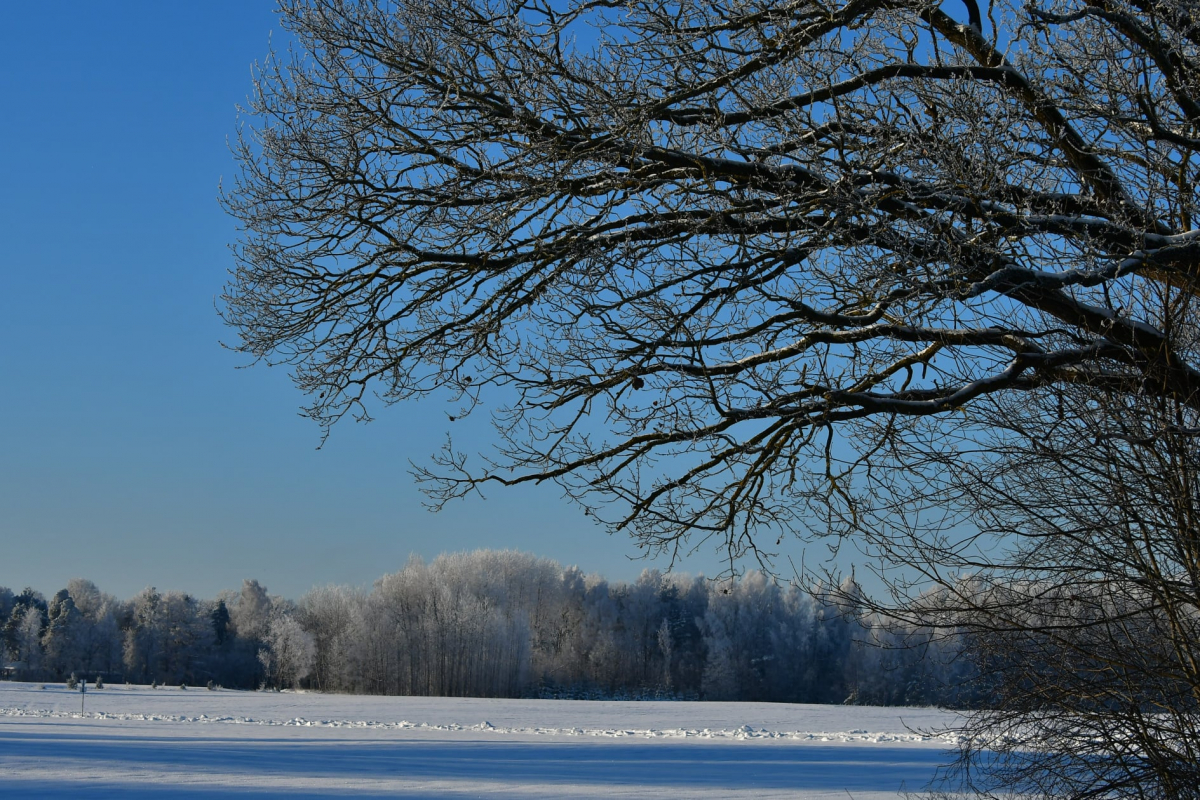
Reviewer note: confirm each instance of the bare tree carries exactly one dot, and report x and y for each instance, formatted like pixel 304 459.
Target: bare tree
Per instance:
pixel 727 270
pixel 678 250
pixel 1078 587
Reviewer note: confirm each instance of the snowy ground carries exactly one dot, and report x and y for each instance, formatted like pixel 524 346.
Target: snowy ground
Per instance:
pixel 143 743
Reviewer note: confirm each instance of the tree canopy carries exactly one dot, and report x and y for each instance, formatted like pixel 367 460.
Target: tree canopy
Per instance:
pixel 703 260
pixel 724 268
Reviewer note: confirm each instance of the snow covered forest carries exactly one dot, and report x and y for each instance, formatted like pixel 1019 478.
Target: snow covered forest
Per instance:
pixel 494 624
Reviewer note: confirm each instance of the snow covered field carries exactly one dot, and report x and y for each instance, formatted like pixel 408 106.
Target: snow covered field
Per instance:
pixel 143 743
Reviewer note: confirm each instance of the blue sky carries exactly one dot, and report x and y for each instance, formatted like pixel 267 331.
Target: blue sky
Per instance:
pixel 133 451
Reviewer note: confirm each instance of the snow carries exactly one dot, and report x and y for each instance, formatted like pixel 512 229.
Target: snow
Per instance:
pixel 137 742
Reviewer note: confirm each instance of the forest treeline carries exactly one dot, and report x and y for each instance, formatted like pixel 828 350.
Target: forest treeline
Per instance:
pixel 495 624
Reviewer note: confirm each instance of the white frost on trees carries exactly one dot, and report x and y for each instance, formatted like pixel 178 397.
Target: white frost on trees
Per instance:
pixel 288 655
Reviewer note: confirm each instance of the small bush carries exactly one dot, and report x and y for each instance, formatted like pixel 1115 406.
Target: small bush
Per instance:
pixel 72 682
pixel 153 684
pixel 99 682
pixel 212 687
pixel 183 686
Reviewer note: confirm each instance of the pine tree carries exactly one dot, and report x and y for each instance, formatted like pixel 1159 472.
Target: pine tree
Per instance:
pixel 220 622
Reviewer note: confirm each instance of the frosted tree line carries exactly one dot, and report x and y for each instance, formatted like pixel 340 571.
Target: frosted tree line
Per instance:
pixel 496 624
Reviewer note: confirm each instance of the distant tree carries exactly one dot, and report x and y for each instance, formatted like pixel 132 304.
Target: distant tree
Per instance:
pixel 186 637
pixel 287 656
pixel 143 649
pixel 220 622
pixel 96 634
pixel 86 595
pixel 720 681
pixel 28 598
pixel 61 599
pixel 16 644
pixel 8 625
pixel 28 640
pixel 599 629
pixel 6 603
pixel 99 640
pixel 63 634
pixel 684 602
pixel 233 661
pixel 251 614
pixel 333 616
pixel 501 623
pixel 789 628
pixel 737 627
pixel 833 637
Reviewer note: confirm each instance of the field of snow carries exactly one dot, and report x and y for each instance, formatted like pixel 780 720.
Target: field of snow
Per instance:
pixel 137 742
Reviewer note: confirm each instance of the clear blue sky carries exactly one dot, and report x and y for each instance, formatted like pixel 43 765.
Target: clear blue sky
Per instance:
pixel 132 450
